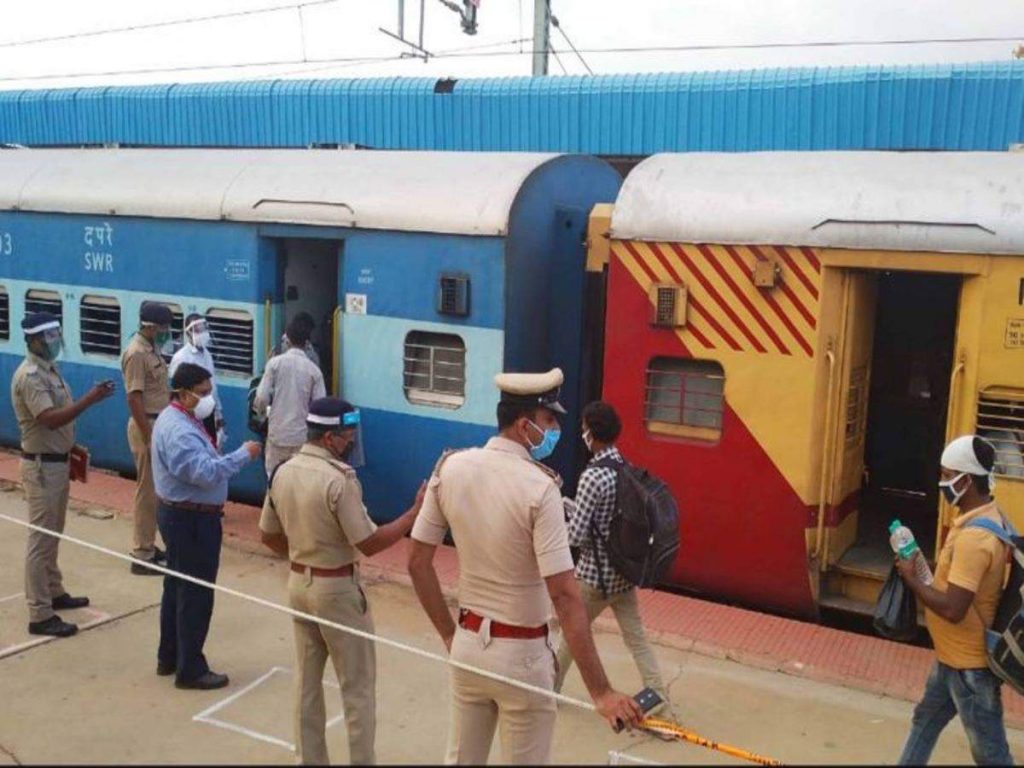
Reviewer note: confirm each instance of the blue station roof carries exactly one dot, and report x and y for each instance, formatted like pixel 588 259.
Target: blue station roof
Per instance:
pixel 944 107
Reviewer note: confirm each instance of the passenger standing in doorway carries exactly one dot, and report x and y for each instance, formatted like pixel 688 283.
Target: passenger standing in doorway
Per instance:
pixel 192 484
pixel 959 606
pixel 314 516
pixel 46 415
pixel 290 383
pixel 505 512
pixel 283 345
pixel 196 350
pixel 145 385
pixel 600 584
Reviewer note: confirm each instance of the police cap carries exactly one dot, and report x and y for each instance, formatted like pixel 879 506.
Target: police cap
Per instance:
pixel 37 322
pixel 155 313
pixel 540 389
pixel 332 412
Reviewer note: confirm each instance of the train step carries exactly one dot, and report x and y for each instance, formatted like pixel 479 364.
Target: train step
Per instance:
pixel 853 585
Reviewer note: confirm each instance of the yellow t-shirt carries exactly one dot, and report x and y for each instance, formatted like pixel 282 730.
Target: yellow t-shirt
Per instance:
pixel 974 560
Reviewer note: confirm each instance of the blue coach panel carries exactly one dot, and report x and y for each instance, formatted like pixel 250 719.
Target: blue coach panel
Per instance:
pixel 427 273
pixel 977 106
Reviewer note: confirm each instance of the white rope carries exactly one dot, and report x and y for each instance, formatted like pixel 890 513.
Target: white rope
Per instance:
pixel 310 617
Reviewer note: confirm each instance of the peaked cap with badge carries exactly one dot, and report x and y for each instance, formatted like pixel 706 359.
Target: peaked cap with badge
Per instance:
pixel 540 389
pixel 38 322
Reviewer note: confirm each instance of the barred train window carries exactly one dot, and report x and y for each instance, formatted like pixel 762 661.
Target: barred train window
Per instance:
pixel 5 314
pixel 1001 422
pixel 101 325
pixel 232 343
pixel 177 331
pixel 435 369
pixel 44 301
pixel 684 398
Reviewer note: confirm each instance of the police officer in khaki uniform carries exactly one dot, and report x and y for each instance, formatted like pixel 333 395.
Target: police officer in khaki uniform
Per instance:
pixel 145 385
pixel 504 509
pixel 314 516
pixel 46 417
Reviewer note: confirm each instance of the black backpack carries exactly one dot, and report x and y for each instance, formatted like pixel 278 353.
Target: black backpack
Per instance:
pixel 256 423
pixel 643 533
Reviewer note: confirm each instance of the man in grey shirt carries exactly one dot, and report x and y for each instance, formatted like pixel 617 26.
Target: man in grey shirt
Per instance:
pixel 290 383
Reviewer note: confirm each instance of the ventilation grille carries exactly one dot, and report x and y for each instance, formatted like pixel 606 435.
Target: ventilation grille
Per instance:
pixel 669 306
pixel 453 295
pixel 101 325
pixel 44 301
pixel 435 369
pixel 5 314
pixel 232 342
pixel 1001 422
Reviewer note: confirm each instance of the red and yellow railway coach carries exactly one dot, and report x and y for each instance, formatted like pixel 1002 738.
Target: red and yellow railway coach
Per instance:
pixel 792 337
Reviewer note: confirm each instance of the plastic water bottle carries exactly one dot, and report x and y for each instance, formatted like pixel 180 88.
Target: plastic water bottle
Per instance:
pixel 901 539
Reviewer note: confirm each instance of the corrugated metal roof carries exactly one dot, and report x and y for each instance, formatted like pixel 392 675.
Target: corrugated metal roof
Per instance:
pixel 941 107
pixel 967 202
pixel 452 192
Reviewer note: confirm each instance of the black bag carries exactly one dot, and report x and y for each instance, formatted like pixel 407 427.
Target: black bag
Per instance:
pixel 896 611
pixel 643 533
pixel 257 423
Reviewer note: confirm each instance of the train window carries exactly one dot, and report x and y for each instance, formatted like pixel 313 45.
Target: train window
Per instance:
pixel 44 301
pixel 177 331
pixel 1001 422
pixel 435 369
pixel 100 325
pixel 232 344
pixel 5 314
pixel 685 398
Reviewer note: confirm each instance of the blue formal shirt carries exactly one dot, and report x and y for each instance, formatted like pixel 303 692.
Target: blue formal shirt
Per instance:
pixel 186 465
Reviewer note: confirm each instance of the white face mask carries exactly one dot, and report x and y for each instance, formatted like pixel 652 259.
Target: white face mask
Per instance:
pixel 588 441
pixel 204 407
pixel 201 340
pixel 950 492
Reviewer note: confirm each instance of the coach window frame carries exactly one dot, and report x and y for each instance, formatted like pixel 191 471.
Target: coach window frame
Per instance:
pixel 697 416
pixel 214 316
pixel 98 300
pixel 5 314
pixel 999 418
pixel 431 395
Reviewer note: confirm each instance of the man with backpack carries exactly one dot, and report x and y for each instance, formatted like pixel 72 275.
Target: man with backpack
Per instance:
pixel 960 605
pixel 602 585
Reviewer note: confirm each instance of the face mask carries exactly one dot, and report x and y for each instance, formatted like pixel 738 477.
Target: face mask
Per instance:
pixel 161 338
pixel 201 340
pixel 547 443
pixel 53 349
pixel 952 495
pixel 204 407
pixel 588 441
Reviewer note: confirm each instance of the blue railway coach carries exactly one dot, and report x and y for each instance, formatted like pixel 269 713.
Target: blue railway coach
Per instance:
pixel 426 273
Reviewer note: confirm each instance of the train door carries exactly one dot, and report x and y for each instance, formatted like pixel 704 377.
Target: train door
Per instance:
pixel 309 273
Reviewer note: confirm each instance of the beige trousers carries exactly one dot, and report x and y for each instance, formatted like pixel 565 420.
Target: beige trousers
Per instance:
pixel 627 613
pixel 46 491
pixel 275 453
pixel 144 509
pixel 526 720
pixel 339 599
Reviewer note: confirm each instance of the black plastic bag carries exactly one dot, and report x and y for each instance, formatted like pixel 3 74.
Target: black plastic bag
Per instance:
pixel 896 611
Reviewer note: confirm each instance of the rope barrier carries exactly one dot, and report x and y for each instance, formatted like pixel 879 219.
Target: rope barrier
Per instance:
pixel 648 723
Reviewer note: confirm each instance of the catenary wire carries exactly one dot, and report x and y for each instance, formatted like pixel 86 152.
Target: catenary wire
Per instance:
pixel 557 24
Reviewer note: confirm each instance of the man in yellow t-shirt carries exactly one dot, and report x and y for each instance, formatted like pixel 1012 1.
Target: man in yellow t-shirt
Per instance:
pixel 959 605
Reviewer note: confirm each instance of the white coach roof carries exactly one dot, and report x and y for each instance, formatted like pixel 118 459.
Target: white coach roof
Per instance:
pixel 969 202
pixel 450 192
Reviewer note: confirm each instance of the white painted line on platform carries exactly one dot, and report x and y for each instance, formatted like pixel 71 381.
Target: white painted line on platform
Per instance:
pixel 98 618
pixel 617 758
pixel 12 597
pixel 206 715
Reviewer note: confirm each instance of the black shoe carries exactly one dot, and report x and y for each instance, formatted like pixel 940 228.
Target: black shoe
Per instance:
pixel 138 569
pixel 66 602
pixel 207 682
pixel 165 669
pixel 159 556
pixel 53 626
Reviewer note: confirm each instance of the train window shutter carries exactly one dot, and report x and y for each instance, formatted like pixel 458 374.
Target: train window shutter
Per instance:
pixel 685 398
pixel 5 314
pixel 100 326
pixel 453 295
pixel 44 301
pixel 1000 420
pixel 231 335
pixel 434 369
pixel 669 300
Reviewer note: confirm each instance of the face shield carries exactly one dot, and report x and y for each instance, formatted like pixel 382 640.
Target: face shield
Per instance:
pixel 197 333
pixel 355 456
pixel 53 343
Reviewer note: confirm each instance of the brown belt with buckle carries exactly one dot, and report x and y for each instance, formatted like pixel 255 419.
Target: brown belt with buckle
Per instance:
pixel 345 570
pixel 473 622
pixel 191 506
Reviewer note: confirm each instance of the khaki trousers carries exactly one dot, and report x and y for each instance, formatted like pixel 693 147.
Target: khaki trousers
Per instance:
pixel 46 487
pixel 339 599
pixel 526 720
pixel 627 613
pixel 275 453
pixel 144 509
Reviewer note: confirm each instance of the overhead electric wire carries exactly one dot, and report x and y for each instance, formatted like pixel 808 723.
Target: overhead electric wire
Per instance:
pixel 492 54
pixel 160 24
pixel 558 26
pixel 558 59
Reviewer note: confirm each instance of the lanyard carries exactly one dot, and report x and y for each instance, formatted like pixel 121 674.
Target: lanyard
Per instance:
pixel 191 417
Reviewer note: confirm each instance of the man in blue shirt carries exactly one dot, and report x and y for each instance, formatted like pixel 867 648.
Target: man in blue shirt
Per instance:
pixel 191 481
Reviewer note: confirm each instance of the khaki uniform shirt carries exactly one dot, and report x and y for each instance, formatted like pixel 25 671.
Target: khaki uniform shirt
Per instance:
pixel 506 517
pixel 974 560
pixel 146 372
pixel 38 386
pixel 316 501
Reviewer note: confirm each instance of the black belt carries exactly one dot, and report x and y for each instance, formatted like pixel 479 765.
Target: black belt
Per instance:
pixel 192 506
pixel 53 458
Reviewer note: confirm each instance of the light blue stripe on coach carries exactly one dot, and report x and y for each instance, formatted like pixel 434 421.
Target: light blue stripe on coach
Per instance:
pixel 373 352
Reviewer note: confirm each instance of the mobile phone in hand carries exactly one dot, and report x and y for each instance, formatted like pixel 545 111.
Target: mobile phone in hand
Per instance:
pixel 648 699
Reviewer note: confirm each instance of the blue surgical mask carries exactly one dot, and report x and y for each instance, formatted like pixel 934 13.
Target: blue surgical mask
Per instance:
pixel 547 443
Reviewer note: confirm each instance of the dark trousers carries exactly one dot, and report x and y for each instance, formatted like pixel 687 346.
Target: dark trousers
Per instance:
pixel 193 547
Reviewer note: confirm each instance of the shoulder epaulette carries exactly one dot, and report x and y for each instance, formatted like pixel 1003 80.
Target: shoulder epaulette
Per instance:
pixel 557 478
pixel 445 455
